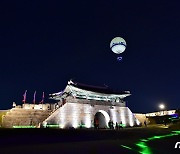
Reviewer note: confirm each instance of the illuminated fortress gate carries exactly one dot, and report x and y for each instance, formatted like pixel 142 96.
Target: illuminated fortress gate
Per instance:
pixel 81 105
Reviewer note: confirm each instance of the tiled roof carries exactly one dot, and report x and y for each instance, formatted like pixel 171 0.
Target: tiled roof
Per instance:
pixel 105 89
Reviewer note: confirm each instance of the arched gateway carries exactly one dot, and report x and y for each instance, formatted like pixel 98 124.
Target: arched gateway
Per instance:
pixel 102 118
pixel 79 105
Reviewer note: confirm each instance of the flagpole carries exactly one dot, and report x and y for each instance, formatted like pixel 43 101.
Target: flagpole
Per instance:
pixel 24 97
pixel 42 101
pixel 34 100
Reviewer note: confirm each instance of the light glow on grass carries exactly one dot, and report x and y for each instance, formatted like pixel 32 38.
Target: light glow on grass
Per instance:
pixel 82 126
pixel 124 146
pixel 142 144
pixel 24 126
pixel 52 126
pixel 177 132
pixel 122 125
pixel 144 148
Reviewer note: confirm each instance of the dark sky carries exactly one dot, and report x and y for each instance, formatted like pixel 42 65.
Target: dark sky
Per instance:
pixel 43 44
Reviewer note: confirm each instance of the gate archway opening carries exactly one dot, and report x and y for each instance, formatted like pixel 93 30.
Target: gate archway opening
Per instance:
pixel 102 118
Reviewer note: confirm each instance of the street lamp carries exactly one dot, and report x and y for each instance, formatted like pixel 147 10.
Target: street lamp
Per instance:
pixel 161 106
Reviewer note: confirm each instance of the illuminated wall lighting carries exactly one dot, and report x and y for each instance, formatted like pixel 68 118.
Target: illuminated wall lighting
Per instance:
pixel 131 117
pixel 62 117
pixel 87 117
pixel 122 115
pixel 113 114
pixel 75 114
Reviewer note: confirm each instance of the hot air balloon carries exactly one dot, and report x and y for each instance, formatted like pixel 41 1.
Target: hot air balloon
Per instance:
pixel 118 46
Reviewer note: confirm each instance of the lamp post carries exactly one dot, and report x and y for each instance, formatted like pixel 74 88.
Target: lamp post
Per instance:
pixel 162 107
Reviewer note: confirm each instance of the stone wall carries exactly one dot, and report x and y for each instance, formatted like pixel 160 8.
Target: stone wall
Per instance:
pixel 141 117
pixel 74 114
pixel 24 117
pixel 2 113
pixel 38 106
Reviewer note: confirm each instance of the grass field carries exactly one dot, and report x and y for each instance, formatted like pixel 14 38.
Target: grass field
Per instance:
pixel 148 140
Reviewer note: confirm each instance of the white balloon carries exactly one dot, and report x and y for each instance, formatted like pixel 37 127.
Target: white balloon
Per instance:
pixel 118 45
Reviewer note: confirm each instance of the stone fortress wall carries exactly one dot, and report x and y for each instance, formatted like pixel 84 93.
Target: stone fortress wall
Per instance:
pixel 26 115
pixel 76 112
pixel 142 118
pixel 2 113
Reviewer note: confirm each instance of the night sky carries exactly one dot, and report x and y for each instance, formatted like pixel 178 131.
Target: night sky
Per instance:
pixel 43 44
